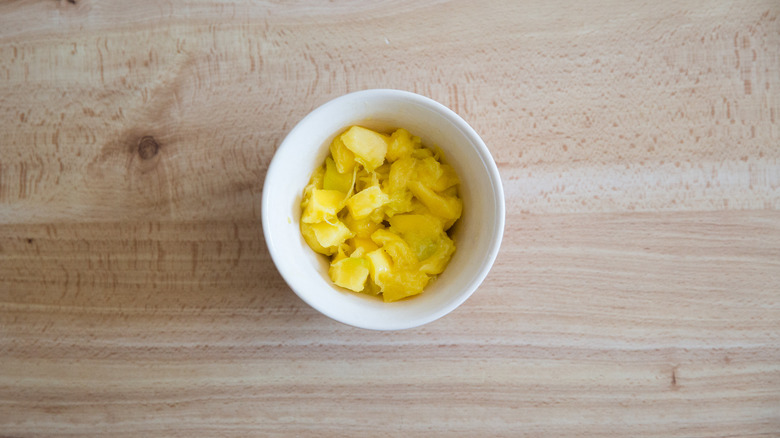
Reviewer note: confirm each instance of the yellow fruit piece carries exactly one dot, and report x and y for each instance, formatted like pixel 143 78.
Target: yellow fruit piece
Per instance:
pixel 448 208
pixel 380 264
pixel 342 157
pixel 341 253
pixel 398 202
pixel 331 234
pixel 427 239
pixel 418 207
pixel 365 179
pixel 422 153
pixel 438 260
pixel 401 172
pixel 371 288
pixel 369 147
pixel 311 239
pixel 363 227
pixel 428 171
pixel 400 284
pixel 421 232
pixel 451 192
pixel 363 243
pixel 315 182
pixel 334 180
pixel 396 247
pixel 363 203
pixel 358 252
pixel 350 273
pixel 382 171
pixel 323 205
pixel 382 180
pixel 401 145
pixel 423 224
pixel 447 180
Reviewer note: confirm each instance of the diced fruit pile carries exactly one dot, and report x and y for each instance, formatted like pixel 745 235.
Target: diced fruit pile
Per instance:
pixel 380 208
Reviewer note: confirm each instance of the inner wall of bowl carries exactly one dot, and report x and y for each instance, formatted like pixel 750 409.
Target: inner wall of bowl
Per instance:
pixel 473 235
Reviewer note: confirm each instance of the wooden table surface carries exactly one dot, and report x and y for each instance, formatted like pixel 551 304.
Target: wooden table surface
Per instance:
pixel 636 293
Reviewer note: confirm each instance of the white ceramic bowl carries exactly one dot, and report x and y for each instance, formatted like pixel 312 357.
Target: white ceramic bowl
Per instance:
pixel 477 234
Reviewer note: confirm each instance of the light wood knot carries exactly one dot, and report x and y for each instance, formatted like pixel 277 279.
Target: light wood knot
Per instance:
pixel 148 147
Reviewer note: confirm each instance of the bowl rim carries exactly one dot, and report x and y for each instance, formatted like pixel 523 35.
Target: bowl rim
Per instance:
pixel 493 176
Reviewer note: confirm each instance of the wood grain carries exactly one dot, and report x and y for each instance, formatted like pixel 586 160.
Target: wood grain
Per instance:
pixel 637 292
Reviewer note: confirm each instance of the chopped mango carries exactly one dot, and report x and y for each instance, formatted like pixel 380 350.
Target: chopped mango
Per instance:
pixel 308 235
pixel 401 172
pixel 423 224
pixel 382 172
pixel 391 239
pixel 422 153
pixel 425 236
pixel 428 171
pixel 371 288
pixel 350 273
pixel 369 147
pixel 342 157
pixel 380 264
pixel 363 203
pixel 438 260
pixel 363 227
pixel 335 180
pixel 401 284
pixel 315 182
pixel 443 207
pixel 396 247
pixel 363 243
pixel 447 180
pixel 401 145
pixel 399 202
pixel 323 205
pixel 421 232
pixel 328 234
pixel 358 252
pixel 451 192
pixel 341 253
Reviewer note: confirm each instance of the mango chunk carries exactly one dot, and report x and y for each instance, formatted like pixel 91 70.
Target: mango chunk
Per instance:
pixel 421 232
pixel 401 172
pixel 423 224
pixel 399 201
pixel 363 244
pixel 350 273
pixel 427 239
pixel 365 202
pixel 315 182
pixel 422 153
pixel 323 205
pixel 401 284
pixel 331 235
pixel 448 208
pixel 380 264
pixel 308 235
pixel 447 180
pixel 440 258
pixel 343 158
pixel 369 147
pixel 335 180
pixel 401 145
pixel 429 171
pixel 363 227
pixel 380 208
pixel 341 253
pixel 396 247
